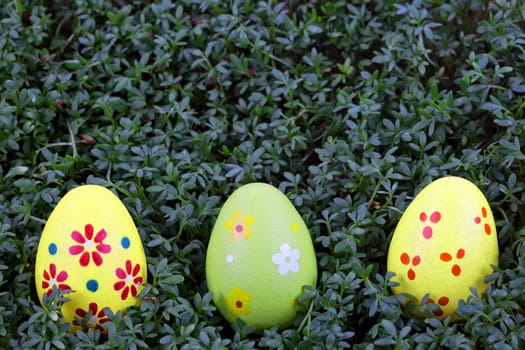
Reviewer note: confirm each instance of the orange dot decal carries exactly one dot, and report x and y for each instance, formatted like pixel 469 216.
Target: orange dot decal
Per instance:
pixel 435 217
pixel 456 270
pixel 411 274
pixel 405 259
pixel 445 257
pixel 416 260
pixel 487 229
pixel 461 253
pixel 443 301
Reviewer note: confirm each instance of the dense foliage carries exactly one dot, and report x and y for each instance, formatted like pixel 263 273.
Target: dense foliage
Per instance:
pixel 349 108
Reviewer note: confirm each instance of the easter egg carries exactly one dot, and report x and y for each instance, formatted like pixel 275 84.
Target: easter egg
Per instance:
pixel 91 246
pixel 444 244
pixel 259 257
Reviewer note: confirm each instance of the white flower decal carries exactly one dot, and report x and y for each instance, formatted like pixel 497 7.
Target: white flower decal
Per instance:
pixel 287 259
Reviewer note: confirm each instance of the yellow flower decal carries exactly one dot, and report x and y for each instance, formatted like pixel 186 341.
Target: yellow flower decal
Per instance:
pixel 239 226
pixel 239 302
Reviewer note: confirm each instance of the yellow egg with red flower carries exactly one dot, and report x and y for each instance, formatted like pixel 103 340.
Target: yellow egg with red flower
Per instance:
pixel 444 245
pixel 91 247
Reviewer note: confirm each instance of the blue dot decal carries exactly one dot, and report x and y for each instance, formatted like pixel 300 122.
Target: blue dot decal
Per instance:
pixel 92 285
pixel 52 248
pixel 125 242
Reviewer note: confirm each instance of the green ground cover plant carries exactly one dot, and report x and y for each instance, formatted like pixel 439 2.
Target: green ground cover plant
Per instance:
pixel 349 107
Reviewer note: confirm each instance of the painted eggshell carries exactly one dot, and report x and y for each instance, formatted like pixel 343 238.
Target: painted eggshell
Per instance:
pixel 444 244
pixel 91 245
pixel 259 257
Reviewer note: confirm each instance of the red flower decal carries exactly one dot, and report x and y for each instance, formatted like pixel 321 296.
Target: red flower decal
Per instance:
pixel 89 248
pixel 51 278
pixel 97 317
pixel 130 280
pixel 486 226
pixel 406 260
pixel 446 257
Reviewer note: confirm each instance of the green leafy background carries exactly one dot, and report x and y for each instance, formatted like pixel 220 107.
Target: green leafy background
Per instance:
pixel 348 107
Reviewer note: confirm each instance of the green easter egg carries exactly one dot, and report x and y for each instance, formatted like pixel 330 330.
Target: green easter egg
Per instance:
pixel 259 257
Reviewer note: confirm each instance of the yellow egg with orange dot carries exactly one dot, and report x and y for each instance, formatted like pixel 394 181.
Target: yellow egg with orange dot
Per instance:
pixel 444 244
pixel 259 257
pixel 91 246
